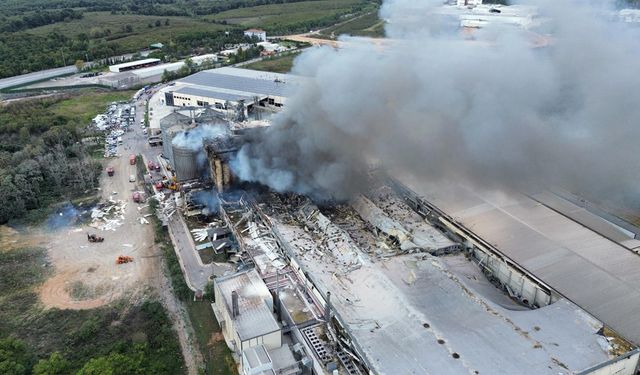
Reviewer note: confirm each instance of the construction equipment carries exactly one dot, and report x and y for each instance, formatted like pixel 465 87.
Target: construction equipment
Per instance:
pixel 94 238
pixel 122 259
pixel 137 197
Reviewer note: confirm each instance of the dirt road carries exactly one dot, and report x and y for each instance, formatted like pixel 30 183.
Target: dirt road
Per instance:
pixel 86 275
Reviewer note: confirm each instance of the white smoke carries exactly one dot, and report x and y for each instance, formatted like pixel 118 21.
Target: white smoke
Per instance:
pixel 494 110
pixel 193 138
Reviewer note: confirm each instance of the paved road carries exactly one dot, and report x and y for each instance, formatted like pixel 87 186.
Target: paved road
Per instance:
pixel 196 273
pixel 36 76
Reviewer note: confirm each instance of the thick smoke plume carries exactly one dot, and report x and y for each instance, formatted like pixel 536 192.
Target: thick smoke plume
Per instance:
pixel 497 110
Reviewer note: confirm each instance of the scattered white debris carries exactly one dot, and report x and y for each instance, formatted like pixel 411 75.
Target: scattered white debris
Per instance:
pixel 108 216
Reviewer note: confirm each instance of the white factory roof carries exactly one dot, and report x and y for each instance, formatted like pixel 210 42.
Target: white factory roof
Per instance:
pixel 134 63
pixel 255 318
pixel 594 272
pixel 188 90
pixel 414 314
pixel 170 67
pixel 241 82
pixel 481 15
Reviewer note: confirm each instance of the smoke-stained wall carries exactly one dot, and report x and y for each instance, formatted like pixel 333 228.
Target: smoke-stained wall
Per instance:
pixel 493 111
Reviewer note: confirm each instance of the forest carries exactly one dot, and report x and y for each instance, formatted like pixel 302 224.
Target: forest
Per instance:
pixel 61 32
pixel 42 157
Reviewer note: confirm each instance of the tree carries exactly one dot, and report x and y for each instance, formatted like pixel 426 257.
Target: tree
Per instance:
pixel 15 359
pixel 79 65
pixel 55 365
pixel 114 364
pixel 158 23
pixel 166 22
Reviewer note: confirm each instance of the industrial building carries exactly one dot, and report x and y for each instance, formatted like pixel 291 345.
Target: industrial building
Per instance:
pixel 407 277
pixel 243 309
pixel 258 33
pixel 133 65
pixel 551 240
pixel 226 86
pixel 375 301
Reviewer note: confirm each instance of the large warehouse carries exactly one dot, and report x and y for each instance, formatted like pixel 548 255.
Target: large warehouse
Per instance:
pixel 220 87
pixel 132 65
pixel 584 258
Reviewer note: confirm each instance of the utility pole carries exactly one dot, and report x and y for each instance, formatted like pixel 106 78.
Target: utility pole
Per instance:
pixel 63 61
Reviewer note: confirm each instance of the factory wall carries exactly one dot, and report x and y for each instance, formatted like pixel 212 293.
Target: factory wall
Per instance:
pixel 626 364
pixel 271 340
pixel 188 100
pixel 223 316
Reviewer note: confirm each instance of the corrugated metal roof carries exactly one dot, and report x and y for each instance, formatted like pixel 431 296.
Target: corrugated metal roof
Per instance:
pixel 255 318
pixel 213 94
pixel 596 273
pixel 134 63
pixel 238 83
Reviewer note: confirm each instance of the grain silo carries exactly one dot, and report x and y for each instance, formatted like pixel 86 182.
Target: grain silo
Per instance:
pixel 185 162
pixel 171 125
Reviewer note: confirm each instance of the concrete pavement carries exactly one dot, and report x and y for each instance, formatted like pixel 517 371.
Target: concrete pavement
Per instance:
pixel 36 76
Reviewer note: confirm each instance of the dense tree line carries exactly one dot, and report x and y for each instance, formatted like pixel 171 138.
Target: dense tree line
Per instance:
pixel 204 42
pixel 144 7
pixel 23 53
pixel 38 18
pixel 154 351
pixel 41 158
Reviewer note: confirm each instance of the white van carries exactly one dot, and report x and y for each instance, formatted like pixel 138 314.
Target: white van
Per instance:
pixel 132 178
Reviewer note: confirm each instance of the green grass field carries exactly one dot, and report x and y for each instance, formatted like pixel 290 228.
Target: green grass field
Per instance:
pixel 278 64
pixel 278 16
pixel 83 108
pixel 209 335
pixel 369 25
pixel 80 334
pixel 141 36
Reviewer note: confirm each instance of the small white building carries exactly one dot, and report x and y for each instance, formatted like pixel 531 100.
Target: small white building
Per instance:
pixel 132 65
pixel 261 34
pixel 243 306
pixel 464 3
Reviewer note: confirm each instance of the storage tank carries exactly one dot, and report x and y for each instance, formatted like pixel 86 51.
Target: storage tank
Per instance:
pixel 185 163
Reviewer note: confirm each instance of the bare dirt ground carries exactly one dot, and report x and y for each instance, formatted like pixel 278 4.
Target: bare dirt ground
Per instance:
pixel 86 275
pixel 92 266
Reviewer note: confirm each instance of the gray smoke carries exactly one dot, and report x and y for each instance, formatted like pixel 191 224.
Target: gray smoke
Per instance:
pixel 192 139
pixel 491 111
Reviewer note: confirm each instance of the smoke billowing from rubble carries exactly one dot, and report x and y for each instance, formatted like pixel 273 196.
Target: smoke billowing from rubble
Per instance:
pixel 508 108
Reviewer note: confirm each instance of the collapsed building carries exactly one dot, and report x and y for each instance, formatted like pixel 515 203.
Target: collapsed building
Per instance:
pixel 385 283
pixel 407 279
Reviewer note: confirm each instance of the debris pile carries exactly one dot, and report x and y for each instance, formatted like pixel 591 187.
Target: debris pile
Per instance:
pixel 108 216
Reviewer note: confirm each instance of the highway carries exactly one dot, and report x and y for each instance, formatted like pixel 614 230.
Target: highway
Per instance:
pixel 36 76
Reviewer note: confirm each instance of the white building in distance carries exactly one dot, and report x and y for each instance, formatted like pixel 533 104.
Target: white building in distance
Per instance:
pixel 261 34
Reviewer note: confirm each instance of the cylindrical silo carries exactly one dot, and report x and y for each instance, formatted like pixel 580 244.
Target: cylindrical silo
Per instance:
pixel 185 163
